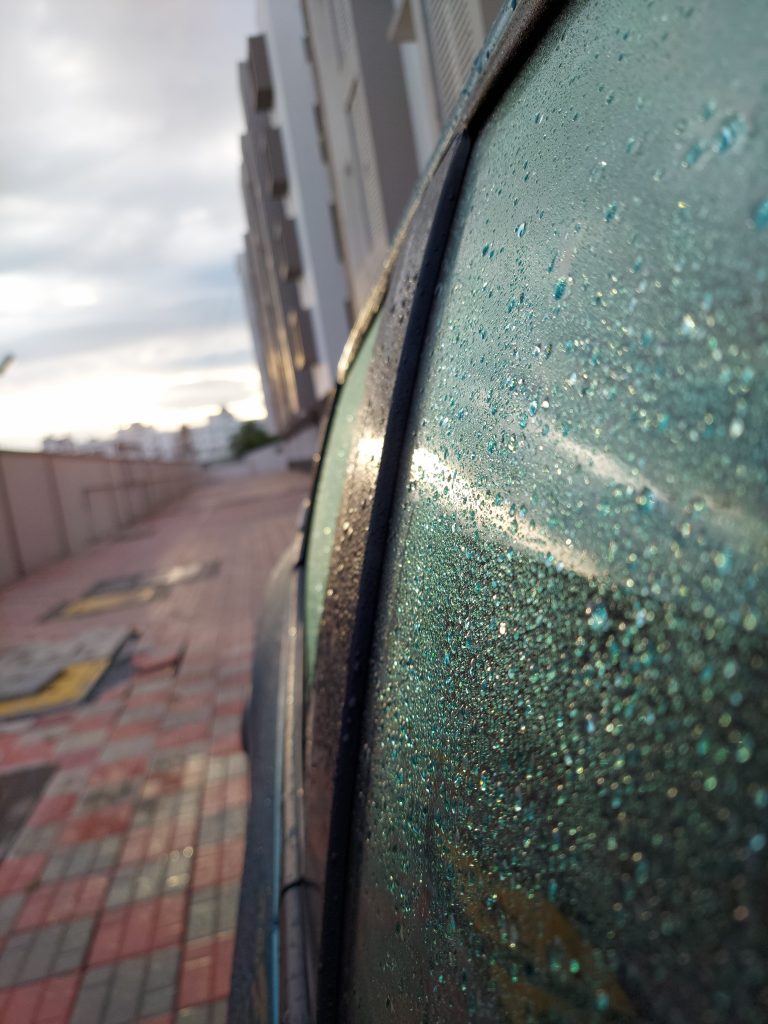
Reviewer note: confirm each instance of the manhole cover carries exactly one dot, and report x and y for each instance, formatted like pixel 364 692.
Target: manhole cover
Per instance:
pixel 19 792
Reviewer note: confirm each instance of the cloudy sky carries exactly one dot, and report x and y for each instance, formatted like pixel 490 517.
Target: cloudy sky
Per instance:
pixel 120 216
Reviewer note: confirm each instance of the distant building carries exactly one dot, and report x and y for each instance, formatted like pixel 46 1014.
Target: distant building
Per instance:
pixel 438 40
pixel 142 442
pixel 211 442
pixel 366 127
pixel 291 269
pixel 59 446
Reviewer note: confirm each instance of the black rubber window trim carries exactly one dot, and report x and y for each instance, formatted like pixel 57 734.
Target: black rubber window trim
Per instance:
pixel 329 977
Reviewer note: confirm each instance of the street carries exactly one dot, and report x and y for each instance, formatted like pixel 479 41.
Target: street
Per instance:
pixel 122 816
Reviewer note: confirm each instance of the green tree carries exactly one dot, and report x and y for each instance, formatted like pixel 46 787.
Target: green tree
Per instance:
pixel 249 436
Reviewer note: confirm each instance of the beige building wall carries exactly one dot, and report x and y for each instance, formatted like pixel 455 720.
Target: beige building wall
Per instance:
pixel 438 40
pixel 366 128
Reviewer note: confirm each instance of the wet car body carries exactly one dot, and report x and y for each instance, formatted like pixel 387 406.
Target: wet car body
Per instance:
pixel 508 720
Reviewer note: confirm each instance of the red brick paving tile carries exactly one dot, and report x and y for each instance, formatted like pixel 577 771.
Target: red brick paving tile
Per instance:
pixel 20 872
pixel 58 997
pixel 227 745
pixel 221 793
pixel 185 734
pixel 106 943
pixel 197 973
pixel 116 771
pixel 206 970
pixel 41 1002
pixel 76 759
pixel 163 783
pixel 139 928
pixel 232 855
pixel 222 970
pixel 238 790
pixel 34 753
pixel 151 841
pixel 207 867
pixel 232 706
pixel 21 1003
pixel 131 729
pixel 215 796
pixel 171 918
pixel 187 704
pixel 98 824
pixel 135 848
pixel 53 808
pixel 140 699
pixel 62 901
pixel 101 720
pixel 219 863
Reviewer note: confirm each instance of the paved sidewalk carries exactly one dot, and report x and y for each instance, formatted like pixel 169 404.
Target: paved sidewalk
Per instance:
pixel 118 897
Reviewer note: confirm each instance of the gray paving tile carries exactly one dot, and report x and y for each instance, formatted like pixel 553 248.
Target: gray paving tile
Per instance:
pixel 38 839
pixel 129 990
pixel 218 1012
pixel 69 780
pixel 77 741
pixel 83 858
pixel 41 952
pixel 158 1001
pixel 9 907
pixel 121 750
pixel 98 797
pixel 194 1015
pixel 163 965
pixel 142 713
pixel 170 873
pixel 12 959
pixel 184 804
pixel 90 1005
pixel 228 823
pixel 212 910
pixel 126 991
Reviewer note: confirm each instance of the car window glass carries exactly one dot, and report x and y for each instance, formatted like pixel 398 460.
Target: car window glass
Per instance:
pixel 562 792
pixel 328 494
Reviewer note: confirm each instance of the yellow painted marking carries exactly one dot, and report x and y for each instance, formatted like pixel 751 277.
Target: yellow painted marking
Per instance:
pixel 107 602
pixel 69 687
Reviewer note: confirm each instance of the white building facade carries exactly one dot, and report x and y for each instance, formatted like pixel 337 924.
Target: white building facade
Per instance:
pixel 438 40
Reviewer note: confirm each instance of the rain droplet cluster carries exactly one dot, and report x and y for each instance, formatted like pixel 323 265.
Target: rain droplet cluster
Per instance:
pixel 563 805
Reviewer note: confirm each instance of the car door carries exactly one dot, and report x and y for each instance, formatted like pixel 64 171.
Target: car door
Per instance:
pixel 524 772
pixel 560 798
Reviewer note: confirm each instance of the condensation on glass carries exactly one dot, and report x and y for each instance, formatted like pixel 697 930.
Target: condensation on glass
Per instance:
pixel 563 803
pixel 330 485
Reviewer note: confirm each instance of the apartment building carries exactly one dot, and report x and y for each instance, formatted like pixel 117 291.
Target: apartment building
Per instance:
pixel 291 268
pixel 387 75
pixel 345 101
pixel 367 130
pixel 438 41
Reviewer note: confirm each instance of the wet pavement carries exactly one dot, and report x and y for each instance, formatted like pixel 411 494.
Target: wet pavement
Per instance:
pixel 122 818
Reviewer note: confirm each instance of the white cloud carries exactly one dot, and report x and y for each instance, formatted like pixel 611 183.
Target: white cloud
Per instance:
pixel 120 211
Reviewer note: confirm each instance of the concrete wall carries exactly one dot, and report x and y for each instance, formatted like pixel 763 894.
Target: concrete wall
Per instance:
pixel 52 506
